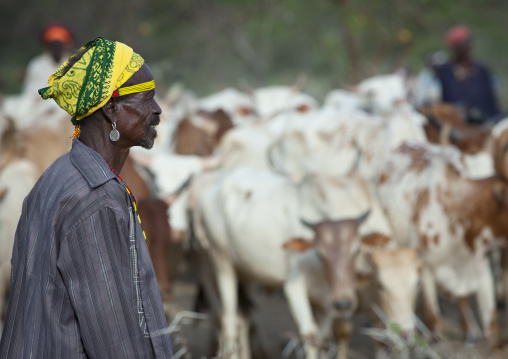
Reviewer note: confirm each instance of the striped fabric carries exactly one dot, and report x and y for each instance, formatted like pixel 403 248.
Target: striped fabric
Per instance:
pixel 82 283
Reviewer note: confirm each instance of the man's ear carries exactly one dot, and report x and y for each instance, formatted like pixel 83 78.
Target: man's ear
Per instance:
pixel 109 110
pixel 298 245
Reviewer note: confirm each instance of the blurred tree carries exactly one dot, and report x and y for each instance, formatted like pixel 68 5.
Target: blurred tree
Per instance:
pixel 209 45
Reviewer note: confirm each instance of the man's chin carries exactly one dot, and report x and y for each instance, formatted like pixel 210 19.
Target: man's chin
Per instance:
pixel 148 142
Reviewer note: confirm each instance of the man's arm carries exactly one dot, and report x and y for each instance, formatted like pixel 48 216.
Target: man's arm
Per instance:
pixel 96 265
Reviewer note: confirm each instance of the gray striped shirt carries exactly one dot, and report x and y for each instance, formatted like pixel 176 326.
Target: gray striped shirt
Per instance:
pixel 82 282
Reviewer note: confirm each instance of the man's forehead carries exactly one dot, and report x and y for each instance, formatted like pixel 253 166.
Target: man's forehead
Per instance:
pixel 142 75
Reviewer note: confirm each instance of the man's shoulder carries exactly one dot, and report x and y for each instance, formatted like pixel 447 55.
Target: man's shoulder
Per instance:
pixel 445 67
pixel 67 193
pixel 481 68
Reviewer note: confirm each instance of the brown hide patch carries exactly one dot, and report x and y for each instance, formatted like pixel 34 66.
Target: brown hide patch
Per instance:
pixel 494 325
pixel 375 240
pixel 153 214
pixel 383 178
pixel 419 158
pixel 425 240
pixel 394 257
pixel 303 108
pixel 468 138
pixel 244 111
pixel 3 193
pixel 422 201
pixel 298 245
pixel 222 120
pixel 136 182
pixel 192 140
pixel 476 208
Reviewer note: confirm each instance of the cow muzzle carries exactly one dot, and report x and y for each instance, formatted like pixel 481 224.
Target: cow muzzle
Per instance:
pixel 343 304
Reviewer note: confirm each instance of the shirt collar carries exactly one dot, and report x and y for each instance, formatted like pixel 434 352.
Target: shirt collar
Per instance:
pixel 90 164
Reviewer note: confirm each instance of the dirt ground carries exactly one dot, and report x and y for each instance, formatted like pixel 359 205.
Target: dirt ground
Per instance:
pixel 275 326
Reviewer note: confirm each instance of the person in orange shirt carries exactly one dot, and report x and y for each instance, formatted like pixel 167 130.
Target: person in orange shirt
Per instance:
pixel 58 41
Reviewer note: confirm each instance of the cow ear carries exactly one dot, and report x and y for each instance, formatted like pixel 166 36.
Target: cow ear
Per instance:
pixel 298 245
pixel 363 217
pixel 308 224
pixel 375 240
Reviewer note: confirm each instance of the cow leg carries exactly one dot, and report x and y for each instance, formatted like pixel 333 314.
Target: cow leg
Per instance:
pixel 431 304
pixel 504 265
pixel 3 295
pixel 227 285
pixel 301 310
pixel 342 329
pixel 471 329
pixel 244 324
pixel 486 299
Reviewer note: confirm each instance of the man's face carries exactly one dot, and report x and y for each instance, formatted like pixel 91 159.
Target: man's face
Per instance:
pixel 56 49
pixel 463 49
pixel 138 114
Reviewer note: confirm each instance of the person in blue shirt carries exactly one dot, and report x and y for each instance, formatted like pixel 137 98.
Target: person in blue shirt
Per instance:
pixel 466 83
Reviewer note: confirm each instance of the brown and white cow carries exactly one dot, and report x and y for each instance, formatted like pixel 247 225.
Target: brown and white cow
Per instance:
pixel 201 136
pixel 453 220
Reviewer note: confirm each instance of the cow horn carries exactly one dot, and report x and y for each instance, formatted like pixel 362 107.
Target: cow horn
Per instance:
pixel 500 155
pixel 434 121
pixel 300 83
pixel 357 160
pixel 270 157
pixel 308 224
pixel 182 187
pixel 363 217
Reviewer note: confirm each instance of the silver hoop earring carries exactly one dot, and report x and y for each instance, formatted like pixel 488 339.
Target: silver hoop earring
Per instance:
pixel 114 135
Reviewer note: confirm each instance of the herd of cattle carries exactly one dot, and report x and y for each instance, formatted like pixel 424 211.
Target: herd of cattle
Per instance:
pixel 363 201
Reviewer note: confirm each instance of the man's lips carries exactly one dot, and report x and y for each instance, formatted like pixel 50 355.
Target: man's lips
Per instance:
pixel 154 122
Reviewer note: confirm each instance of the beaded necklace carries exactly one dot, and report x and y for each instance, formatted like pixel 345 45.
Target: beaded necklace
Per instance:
pixel 119 177
pixel 129 191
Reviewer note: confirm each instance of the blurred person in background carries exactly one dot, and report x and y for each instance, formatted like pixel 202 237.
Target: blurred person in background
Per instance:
pixel 466 83
pixel 427 87
pixel 57 40
pixel 27 109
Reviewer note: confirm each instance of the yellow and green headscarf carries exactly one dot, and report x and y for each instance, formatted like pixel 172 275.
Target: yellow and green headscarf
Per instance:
pixel 91 81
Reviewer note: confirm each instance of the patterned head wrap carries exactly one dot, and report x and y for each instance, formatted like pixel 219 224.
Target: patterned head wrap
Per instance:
pixel 91 81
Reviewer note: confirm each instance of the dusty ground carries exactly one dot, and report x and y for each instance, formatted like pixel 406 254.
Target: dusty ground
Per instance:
pixel 274 323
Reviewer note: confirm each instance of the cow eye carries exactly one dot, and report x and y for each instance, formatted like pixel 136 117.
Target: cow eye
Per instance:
pixel 303 108
pixel 244 111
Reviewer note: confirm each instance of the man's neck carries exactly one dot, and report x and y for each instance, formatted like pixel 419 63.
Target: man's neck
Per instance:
pixel 112 152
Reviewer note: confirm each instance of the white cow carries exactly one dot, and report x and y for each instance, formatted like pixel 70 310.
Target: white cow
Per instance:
pixel 245 217
pixel 238 105
pixel 273 100
pixel 328 142
pixel 345 101
pixel 16 180
pixel 382 93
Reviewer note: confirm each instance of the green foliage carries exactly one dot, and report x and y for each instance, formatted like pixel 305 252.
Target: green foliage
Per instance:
pixel 209 45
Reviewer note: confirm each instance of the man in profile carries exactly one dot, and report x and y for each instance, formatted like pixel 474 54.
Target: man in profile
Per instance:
pixel 82 282
pixel 464 82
